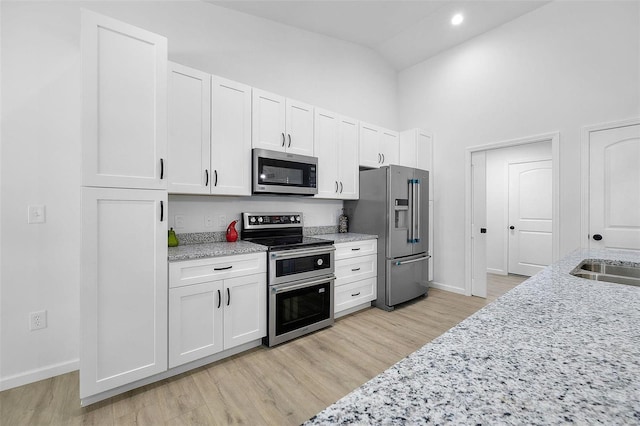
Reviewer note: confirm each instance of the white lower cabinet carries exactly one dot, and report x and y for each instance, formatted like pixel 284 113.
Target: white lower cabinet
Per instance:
pixel 215 304
pixel 123 291
pixel 356 276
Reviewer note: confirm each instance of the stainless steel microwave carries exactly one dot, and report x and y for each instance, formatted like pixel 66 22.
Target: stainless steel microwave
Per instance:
pixel 277 172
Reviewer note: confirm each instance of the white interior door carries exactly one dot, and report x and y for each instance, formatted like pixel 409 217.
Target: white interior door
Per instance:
pixel 478 224
pixel 530 217
pixel 614 188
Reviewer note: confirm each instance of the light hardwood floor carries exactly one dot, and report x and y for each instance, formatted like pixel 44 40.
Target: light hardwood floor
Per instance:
pixel 284 385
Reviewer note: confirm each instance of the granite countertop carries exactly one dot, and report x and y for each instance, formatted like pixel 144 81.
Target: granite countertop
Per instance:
pixel 212 249
pixel 556 349
pixel 346 237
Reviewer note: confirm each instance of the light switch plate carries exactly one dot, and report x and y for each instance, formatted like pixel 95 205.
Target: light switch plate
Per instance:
pixel 36 213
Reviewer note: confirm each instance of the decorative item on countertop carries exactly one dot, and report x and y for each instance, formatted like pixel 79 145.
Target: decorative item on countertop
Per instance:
pixel 232 234
pixel 343 223
pixel 173 239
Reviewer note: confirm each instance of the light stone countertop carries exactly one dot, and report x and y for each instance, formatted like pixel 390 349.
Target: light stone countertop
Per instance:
pixel 212 249
pixel 556 349
pixel 346 237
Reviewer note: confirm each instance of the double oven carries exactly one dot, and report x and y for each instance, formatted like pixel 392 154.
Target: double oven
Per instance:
pixel 300 275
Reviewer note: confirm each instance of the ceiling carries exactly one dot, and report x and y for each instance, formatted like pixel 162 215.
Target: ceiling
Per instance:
pixel 404 32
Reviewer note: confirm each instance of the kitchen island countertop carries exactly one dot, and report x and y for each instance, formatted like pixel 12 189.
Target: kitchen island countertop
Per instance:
pixel 346 237
pixel 212 249
pixel 556 349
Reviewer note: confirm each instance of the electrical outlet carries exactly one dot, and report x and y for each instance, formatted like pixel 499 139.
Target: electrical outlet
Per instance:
pixel 36 213
pixel 179 221
pixel 37 320
pixel 222 221
pixel 208 221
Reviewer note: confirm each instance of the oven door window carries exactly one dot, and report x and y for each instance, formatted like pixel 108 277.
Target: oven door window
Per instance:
pixel 301 307
pixel 302 264
pixel 286 173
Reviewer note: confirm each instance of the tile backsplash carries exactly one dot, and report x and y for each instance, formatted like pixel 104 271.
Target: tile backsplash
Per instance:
pixel 203 213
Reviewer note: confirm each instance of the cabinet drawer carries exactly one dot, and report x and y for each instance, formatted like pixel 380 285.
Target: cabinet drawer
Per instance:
pixel 354 294
pixel 202 270
pixel 355 248
pixel 355 269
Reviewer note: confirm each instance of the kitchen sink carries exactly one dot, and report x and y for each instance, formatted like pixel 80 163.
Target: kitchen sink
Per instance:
pixel 609 271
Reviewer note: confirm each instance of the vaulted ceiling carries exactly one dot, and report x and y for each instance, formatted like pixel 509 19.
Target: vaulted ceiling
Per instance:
pixel 403 32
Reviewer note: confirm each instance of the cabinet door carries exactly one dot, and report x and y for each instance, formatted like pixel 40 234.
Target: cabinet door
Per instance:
pixel 327 150
pixel 195 322
pixel 230 137
pixel 124 104
pixel 123 292
pixel 245 311
pixel 348 170
pixel 407 149
pixel 189 130
pixel 370 139
pixel 389 147
pixel 299 121
pixel 268 121
pixel 424 151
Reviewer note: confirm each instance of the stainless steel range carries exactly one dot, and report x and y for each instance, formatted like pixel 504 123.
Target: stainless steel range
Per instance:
pixel 300 274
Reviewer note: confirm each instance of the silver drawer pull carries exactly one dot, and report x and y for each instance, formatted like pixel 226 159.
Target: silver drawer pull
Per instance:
pixel 357 294
pixel 354 270
pixel 223 269
pixel 355 249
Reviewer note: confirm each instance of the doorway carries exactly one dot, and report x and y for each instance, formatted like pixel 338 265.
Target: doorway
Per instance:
pixel 532 163
pixel 611 182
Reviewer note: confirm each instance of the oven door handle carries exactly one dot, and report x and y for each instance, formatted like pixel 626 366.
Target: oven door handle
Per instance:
pixel 306 251
pixel 282 288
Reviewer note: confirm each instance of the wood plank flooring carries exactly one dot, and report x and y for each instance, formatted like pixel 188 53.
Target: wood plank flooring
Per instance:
pixel 284 385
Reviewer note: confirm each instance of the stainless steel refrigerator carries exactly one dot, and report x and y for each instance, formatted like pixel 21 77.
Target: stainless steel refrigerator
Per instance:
pixel 394 204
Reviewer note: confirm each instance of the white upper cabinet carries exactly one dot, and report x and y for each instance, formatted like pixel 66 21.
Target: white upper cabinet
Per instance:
pixel 209 134
pixel 230 137
pixel 281 124
pixel 378 146
pixel 336 146
pixel 124 104
pixel 189 130
pixel 416 150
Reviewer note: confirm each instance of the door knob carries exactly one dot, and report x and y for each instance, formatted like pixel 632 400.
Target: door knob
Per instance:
pixel 512 227
pixel 597 237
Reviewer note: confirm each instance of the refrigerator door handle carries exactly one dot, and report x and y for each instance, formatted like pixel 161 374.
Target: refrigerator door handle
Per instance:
pixel 414 233
pixel 416 236
pixel 400 262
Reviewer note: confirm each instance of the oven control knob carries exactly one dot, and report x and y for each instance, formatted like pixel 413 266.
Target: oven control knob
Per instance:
pixel 253 219
pixel 293 219
pixel 319 262
pixel 298 219
pixel 260 219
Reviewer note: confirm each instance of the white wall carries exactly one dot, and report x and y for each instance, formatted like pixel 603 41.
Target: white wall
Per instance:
pixel 559 68
pixel 40 85
pixel 497 169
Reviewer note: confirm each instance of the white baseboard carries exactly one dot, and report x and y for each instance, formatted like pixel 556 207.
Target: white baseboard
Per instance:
pixel 447 287
pixel 496 271
pixel 38 374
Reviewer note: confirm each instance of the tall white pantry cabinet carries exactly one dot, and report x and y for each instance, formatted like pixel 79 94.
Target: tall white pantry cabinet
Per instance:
pixel 123 291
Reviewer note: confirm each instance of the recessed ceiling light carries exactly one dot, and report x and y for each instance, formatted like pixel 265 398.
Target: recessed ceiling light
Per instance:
pixel 457 19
